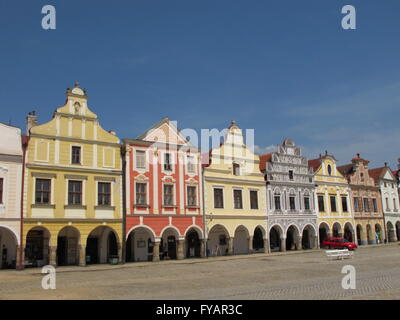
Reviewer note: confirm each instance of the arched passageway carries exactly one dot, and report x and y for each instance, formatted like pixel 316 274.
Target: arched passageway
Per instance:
pixel 348 232
pixel 218 241
pixel 379 236
pixel 8 248
pixel 241 241
pixel 275 239
pixel 398 230
pixel 308 240
pixel 68 247
pixel 140 245
pixel 169 244
pixel 102 246
pixel 359 235
pixel 193 244
pixel 323 232
pixel 258 240
pixel 370 236
pixel 37 247
pixel 292 238
pixel 391 232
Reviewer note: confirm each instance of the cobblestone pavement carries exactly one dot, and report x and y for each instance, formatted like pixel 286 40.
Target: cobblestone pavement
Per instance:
pixel 299 275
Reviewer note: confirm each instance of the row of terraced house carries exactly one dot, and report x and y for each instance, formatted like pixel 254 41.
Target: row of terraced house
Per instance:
pixel 72 193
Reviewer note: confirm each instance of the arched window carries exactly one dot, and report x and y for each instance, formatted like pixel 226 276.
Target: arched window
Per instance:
pixel 236 169
pixel 329 169
pixel 292 200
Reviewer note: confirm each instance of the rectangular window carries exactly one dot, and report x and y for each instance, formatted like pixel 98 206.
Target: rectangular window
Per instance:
pixel 1 190
pixel 277 199
pixel 366 205
pixel 387 203
pixel 375 205
pixel 76 155
pixel 236 169
pixel 356 205
pixel 43 191
pixel 237 199
pixel 344 204
pixel 321 204
pixel 104 194
pixel 141 196
pixel 168 195
pixel 167 162
pixel 394 205
pixel 191 196
pixel 140 159
pixel 190 164
pixel 74 192
pixel 292 202
pixel 218 198
pixel 290 174
pixel 333 204
pixel 253 199
pixel 307 203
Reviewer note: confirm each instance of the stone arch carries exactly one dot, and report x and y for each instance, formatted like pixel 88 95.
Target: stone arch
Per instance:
pixel 140 244
pixel 68 246
pixel 379 234
pixel 37 247
pixel 309 237
pixel 169 243
pixel 218 243
pixel 241 240
pixel 348 233
pixel 292 237
pixel 323 231
pixel 258 243
pixel 391 232
pixel 8 248
pixel 194 242
pixel 275 236
pixel 103 245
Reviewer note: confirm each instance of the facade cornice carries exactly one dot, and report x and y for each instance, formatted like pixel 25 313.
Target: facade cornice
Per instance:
pixel 72 169
pixel 231 180
pixel 75 140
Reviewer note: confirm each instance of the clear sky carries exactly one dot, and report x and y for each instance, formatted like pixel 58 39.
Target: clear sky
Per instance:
pixel 285 68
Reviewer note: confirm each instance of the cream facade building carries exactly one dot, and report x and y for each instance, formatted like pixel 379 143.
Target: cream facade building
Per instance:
pixel 73 192
pixel 11 159
pixel 235 204
pixel 332 200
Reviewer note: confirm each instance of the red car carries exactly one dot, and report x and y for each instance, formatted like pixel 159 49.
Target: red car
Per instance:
pixel 338 243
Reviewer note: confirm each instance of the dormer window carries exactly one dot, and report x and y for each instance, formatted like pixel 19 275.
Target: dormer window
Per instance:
pixel 236 169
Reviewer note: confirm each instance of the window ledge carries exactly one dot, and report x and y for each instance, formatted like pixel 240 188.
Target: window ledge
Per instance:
pixel 74 206
pixel 43 206
pixel 138 205
pixel 169 206
pixel 104 207
pixel 193 207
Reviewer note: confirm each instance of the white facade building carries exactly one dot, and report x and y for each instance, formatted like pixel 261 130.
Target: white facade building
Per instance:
pixel 11 158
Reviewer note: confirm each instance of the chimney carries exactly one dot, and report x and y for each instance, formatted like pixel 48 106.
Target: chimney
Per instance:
pixel 31 121
pixel 386 164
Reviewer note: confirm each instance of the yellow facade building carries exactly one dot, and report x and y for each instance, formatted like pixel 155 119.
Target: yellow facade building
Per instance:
pixel 73 188
pixel 234 196
pixel 333 200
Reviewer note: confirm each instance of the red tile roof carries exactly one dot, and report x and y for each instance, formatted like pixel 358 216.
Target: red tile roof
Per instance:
pixel 263 161
pixel 376 173
pixel 346 169
pixel 315 164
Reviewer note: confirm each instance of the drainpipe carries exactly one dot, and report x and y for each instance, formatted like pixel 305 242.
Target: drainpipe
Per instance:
pixel 204 214
pixel 123 155
pixel 21 228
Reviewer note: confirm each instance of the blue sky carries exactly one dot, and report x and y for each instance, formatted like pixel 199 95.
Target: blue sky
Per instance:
pixel 284 68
